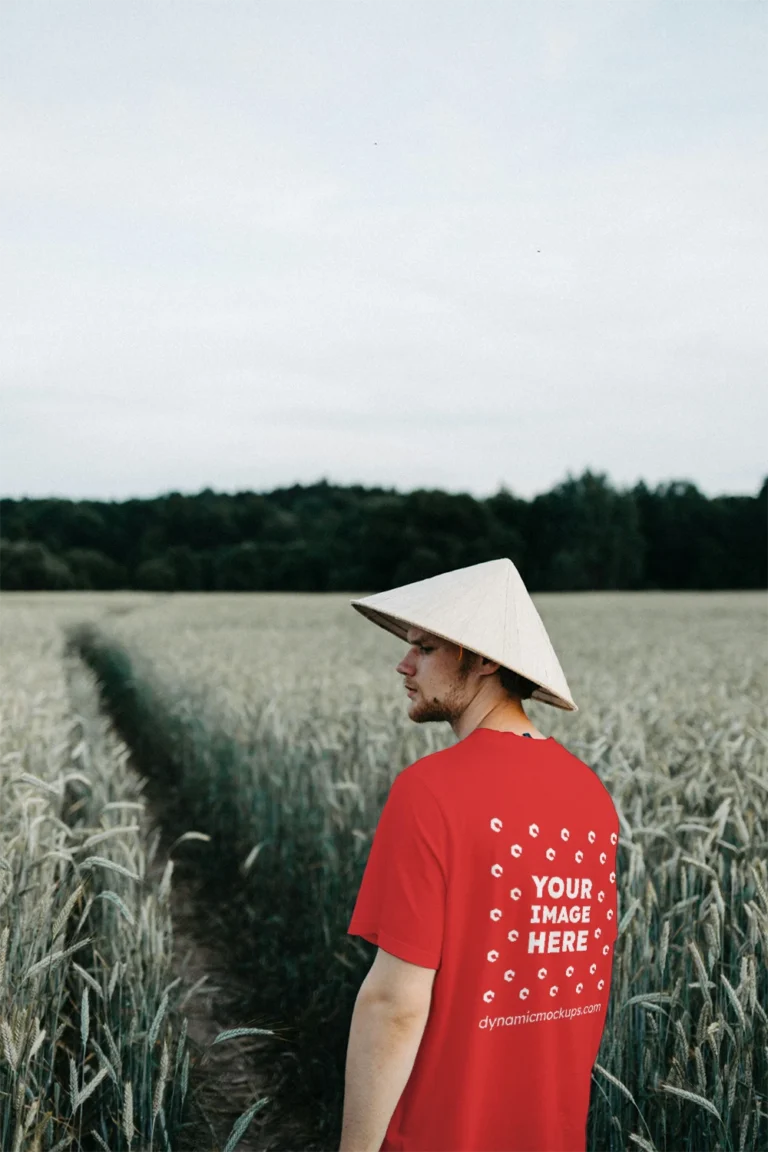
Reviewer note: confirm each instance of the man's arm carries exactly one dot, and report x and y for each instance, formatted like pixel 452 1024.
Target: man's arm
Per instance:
pixel 388 1022
pixel 380 1057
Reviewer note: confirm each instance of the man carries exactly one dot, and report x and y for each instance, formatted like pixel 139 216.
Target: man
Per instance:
pixel 490 892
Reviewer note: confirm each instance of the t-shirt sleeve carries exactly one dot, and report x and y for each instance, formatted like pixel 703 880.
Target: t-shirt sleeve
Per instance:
pixel 400 905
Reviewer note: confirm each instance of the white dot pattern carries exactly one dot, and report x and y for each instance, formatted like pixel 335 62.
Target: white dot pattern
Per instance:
pixel 557 890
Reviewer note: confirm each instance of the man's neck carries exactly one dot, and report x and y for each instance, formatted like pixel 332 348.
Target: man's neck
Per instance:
pixel 506 715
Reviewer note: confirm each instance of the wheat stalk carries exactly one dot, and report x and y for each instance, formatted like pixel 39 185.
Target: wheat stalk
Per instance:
pixel 90 1088
pixel 163 1076
pixel 692 1096
pixel 128 1128
pixel 84 1018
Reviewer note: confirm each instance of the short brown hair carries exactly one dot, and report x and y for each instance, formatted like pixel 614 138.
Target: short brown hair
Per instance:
pixel 512 682
pixel 516 685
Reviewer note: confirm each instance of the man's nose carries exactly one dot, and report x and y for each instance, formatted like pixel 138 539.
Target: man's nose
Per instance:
pixel 405 667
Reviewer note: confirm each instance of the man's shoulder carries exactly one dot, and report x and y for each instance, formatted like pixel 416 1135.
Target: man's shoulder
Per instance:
pixel 432 767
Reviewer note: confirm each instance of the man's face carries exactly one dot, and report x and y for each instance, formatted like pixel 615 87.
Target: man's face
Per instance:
pixel 436 677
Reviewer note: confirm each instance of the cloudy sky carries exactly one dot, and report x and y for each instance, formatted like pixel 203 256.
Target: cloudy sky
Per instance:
pixel 456 245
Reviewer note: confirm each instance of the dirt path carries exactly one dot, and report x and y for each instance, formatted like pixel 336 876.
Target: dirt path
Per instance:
pixel 224 1079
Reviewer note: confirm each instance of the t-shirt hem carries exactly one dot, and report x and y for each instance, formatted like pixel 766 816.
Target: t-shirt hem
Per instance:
pixel 399 948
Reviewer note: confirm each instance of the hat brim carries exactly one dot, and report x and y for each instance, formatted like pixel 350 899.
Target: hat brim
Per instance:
pixel 399 626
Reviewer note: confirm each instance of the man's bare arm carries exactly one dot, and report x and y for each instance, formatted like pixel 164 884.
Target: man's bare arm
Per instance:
pixel 381 1053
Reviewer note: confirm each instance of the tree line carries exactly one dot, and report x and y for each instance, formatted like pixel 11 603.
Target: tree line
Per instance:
pixel 582 535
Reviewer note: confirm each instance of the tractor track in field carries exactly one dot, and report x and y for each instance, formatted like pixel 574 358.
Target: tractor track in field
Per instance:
pixel 225 1079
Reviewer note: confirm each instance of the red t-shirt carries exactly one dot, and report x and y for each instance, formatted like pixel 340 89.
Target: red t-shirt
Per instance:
pixel 494 861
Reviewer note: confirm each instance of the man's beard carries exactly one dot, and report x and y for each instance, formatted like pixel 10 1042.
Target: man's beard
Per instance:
pixel 448 709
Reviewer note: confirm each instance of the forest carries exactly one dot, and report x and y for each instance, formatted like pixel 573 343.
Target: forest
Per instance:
pixel 582 535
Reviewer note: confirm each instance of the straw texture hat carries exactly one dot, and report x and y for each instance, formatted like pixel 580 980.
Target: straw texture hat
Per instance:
pixel 486 608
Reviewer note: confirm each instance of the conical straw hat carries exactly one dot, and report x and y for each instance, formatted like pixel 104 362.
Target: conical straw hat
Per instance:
pixel 486 608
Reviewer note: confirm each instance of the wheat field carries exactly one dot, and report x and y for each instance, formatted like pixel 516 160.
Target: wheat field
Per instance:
pixel 88 1049
pixel 277 724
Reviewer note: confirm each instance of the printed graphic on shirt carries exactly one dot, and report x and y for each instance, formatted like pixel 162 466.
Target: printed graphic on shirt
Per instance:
pixel 552 922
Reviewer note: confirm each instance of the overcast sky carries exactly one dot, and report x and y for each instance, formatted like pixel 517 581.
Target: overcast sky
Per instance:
pixel 422 244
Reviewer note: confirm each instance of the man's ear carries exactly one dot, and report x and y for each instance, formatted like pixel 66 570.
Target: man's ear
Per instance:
pixel 488 667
